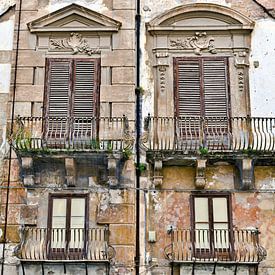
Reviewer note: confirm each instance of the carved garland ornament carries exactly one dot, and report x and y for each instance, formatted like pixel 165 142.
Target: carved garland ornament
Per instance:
pixel 200 41
pixel 75 43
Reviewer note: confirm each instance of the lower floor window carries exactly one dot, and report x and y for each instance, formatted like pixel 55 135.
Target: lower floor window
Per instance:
pixel 67 225
pixel 212 226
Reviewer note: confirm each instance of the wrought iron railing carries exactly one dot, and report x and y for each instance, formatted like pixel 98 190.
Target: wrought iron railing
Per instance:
pixel 217 245
pixel 38 244
pixel 209 134
pixel 85 133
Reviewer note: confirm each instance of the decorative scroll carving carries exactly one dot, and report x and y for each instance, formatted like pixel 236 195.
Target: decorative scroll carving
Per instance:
pixel 75 43
pixel 199 42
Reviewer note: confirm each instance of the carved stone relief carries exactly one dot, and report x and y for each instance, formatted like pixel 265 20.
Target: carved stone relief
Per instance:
pixel 198 42
pixel 75 43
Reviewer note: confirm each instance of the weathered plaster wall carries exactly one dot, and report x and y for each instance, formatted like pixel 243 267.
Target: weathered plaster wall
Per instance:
pixel 6 46
pixel 262 69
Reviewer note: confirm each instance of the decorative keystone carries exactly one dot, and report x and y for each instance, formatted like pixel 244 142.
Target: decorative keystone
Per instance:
pixel 200 180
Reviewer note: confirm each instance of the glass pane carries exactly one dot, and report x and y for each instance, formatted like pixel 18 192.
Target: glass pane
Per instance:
pixel 220 210
pixel 59 207
pixel 221 236
pixel 78 207
pixel 201 210
pixel 77 222
pixel 59 222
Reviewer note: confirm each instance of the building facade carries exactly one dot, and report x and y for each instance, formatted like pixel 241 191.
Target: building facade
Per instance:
pixel 137 137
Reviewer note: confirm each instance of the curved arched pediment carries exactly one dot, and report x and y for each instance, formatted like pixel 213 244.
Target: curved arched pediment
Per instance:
pixel 200 16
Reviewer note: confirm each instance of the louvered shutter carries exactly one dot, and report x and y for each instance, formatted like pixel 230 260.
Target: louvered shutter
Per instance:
pixel 215 87
pixel 59 92
pixel 84 89
pixel 188 88
pixel 59 88
pixel 84 98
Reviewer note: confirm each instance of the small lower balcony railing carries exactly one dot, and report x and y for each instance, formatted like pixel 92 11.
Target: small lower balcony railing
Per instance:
pixel 60 244
pixel 217 245
pixel 65 133
pixel 209 134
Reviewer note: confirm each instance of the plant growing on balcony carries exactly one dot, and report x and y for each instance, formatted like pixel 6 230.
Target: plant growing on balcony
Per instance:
pixel 127 153
pixel 21 137
pixel 203 150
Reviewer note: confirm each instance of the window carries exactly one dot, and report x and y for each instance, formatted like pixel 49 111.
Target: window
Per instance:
pixel 212 228
pixel 67 224
pixel 71 97
pixel 202 100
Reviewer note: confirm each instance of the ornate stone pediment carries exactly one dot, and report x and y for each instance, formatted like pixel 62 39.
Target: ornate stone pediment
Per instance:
pixel 200 16
pixel 74 18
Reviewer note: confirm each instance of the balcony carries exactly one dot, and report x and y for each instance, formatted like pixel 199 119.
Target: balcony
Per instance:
pixel 59 244
pixel 217 245
pixel 209 135
pixel 76 134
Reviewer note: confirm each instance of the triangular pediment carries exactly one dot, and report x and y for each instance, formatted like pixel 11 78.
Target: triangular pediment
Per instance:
pixel 74 18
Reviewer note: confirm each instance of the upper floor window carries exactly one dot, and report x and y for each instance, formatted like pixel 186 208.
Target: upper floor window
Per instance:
pixel 71 98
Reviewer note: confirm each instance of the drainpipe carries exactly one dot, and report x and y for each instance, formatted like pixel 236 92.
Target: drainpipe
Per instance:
pixel 138 125
pixel 10 149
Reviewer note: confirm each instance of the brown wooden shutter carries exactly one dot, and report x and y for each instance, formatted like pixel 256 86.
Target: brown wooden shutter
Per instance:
pixel 59 88
pixel 84 89
pixel 188 88
pixel 215 87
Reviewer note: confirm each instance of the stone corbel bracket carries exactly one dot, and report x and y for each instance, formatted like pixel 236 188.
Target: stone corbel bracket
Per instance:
pixel 112 170
pixel 70 166
pixel 28 172
pixel 200 180
pixel 246 169
pixel 158 176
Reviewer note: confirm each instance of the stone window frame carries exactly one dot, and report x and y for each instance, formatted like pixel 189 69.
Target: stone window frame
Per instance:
pixel 170 38
pixel 68 197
